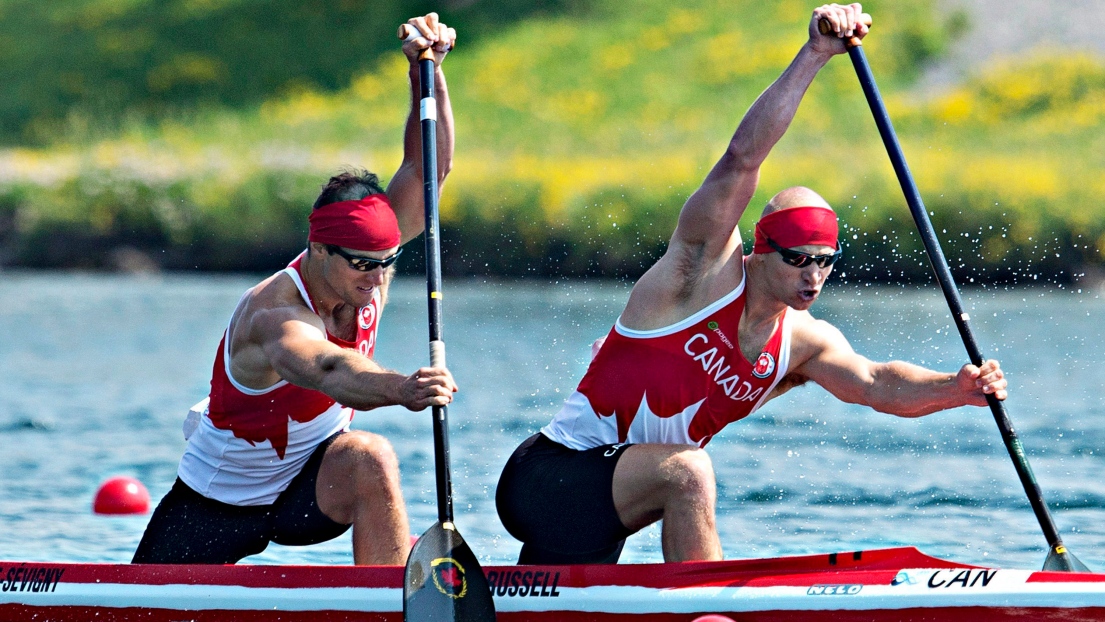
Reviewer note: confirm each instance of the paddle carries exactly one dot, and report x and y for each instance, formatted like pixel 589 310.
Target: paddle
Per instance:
pixel 443 580
pixel 1058 558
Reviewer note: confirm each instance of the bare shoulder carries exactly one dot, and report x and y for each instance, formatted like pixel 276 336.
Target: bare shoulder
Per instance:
pixel 811 337
pixel 268 306
pixel 678 286
pixel 271 317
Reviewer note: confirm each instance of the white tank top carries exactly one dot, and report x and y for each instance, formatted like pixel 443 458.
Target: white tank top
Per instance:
pixel 241 453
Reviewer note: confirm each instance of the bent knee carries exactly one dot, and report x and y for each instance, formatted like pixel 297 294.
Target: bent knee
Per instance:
pixel 690 471
pixel 364 452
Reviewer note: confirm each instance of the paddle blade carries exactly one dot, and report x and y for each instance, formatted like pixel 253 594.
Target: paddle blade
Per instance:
pixel 1060 559
pixel 444 581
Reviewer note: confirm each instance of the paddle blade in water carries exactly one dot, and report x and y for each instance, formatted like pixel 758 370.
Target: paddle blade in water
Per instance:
pixel 444 581
pixel 1059 558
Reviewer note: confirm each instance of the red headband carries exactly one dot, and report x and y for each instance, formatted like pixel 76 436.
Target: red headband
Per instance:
pixel 365 225
pixel 797 226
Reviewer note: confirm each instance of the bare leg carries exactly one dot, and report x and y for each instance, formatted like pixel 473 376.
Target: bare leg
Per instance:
pixel 674 483
pixel 358 483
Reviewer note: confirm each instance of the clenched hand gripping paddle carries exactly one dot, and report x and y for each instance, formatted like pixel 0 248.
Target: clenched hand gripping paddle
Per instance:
pixel 1058 558
pixel 443 581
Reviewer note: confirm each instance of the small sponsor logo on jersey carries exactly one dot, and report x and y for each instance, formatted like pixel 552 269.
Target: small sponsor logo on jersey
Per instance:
pixel 717 331
pixel 449 577
pixel 833 590
pixel 367 316
pixel 764 365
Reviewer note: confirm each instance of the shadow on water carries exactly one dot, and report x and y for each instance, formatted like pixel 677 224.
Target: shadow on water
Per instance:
pixel 32 424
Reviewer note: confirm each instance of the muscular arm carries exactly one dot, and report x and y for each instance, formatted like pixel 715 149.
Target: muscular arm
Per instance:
pixel 709 219
pixel 896 387
pixel 706 238
pixel 295 345
pixel 405 189
pixel 708 222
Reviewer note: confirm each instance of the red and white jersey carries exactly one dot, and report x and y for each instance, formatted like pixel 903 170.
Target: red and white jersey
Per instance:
pixel 252 442
pixel 678 385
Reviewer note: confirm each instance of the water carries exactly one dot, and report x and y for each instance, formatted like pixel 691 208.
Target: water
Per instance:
pixel 97 372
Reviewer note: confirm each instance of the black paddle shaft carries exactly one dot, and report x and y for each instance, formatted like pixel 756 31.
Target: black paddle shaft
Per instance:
pixel 443 580
pixel 428 117
pixel 951 293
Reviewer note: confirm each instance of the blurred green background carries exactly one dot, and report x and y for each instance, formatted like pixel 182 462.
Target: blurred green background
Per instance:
pixel 194 134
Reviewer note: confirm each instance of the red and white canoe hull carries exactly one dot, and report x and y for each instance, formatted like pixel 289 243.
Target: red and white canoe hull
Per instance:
pixel 891 584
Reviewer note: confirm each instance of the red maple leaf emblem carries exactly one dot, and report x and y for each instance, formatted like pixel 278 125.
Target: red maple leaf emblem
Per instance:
pixel 260 418
pixel 452 577
pixel 628 370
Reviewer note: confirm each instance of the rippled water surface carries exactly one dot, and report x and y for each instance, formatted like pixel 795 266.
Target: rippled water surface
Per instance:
pixel 97 372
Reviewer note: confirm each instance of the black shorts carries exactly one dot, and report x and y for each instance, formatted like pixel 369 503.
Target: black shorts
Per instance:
pixel 188 528
pixel 560 503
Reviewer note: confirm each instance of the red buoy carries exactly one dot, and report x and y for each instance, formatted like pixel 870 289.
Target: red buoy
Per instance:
pixel 121 495
pixel 713 617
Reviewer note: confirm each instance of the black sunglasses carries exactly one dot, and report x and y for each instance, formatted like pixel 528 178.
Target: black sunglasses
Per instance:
pixel 798 259
pixel 363 264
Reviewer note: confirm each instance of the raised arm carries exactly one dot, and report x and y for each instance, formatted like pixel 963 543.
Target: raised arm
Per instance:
pixel 405 189
pixel 295 345
pixel 707 226
pixel 896 387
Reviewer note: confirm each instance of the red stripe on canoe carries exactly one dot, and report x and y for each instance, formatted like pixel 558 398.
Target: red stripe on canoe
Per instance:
pixel 958 614
pixel 785 571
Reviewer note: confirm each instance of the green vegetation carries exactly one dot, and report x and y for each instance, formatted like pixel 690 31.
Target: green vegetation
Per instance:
pixel 68 63
pixel 580 133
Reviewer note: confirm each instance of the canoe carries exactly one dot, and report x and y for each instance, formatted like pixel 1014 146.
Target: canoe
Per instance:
pixel 886 584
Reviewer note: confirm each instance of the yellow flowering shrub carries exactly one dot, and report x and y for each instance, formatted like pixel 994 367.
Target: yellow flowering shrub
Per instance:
pixel 579 139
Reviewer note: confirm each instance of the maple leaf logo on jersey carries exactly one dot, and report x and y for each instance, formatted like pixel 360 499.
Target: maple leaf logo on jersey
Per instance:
pixel 679 384
pixel 265 415
pixel 367 316
pixel 764 366
pixel 256 423
pixel 700 384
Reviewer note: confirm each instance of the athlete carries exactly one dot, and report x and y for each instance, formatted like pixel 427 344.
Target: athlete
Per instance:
pixel 270 456
pixel 706 338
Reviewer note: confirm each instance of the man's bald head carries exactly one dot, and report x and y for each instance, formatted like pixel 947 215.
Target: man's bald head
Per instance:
pixel 795 196
pixel 796 217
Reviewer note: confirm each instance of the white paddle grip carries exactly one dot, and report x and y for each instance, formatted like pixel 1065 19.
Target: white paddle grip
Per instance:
pixel 427 108
pixel 407 33
pixel 437 354
pixel 411 34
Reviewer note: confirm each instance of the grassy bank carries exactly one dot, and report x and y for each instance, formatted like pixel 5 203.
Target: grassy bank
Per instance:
pixel 579 138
